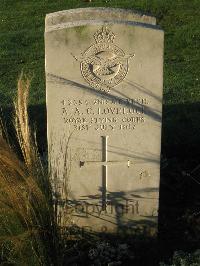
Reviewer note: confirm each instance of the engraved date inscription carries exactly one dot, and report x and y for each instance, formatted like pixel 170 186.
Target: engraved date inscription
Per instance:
pixel 103 115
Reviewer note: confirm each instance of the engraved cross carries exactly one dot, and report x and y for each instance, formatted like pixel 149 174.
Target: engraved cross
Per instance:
pixel 104 163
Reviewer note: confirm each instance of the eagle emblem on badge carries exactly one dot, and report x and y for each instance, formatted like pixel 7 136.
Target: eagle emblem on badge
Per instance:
pixel 104 65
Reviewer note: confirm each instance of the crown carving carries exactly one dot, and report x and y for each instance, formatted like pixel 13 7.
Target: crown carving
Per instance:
pixel 104 35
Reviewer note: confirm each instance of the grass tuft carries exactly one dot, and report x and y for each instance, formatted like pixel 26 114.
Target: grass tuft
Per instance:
pixel 26 209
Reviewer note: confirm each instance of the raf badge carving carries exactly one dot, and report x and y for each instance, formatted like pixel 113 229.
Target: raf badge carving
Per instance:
pixel 104 65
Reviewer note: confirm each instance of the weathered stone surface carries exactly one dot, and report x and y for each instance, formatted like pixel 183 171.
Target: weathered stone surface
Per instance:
pixel 104 107
pixel 97 13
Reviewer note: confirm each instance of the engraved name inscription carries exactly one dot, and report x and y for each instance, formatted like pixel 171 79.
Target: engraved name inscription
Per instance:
pixel 103 114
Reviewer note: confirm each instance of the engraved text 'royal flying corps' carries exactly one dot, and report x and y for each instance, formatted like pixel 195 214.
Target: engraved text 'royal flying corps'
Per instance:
pixel 104 65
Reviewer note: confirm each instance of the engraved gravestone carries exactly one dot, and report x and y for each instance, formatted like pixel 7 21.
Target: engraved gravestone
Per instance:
pixel 104 106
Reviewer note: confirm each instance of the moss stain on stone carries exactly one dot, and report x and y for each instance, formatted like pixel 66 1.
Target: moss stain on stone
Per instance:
pixel 82 32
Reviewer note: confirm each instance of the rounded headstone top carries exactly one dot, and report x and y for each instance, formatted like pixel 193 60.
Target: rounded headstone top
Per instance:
pixel 99 13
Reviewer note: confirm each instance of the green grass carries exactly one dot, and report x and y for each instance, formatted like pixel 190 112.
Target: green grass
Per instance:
pixel 22 43
pixel 22 47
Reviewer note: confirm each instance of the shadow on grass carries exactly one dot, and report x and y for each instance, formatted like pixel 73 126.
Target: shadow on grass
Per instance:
pixel 38 123
pixel 178 194
pixel 181 130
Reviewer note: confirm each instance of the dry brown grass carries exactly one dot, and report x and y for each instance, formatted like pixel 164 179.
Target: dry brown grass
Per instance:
pixel 25 137
pixel 17 188
pixel 25 194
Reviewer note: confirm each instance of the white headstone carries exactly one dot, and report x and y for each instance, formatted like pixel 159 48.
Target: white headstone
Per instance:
pixel 96 13
pixel 104 107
